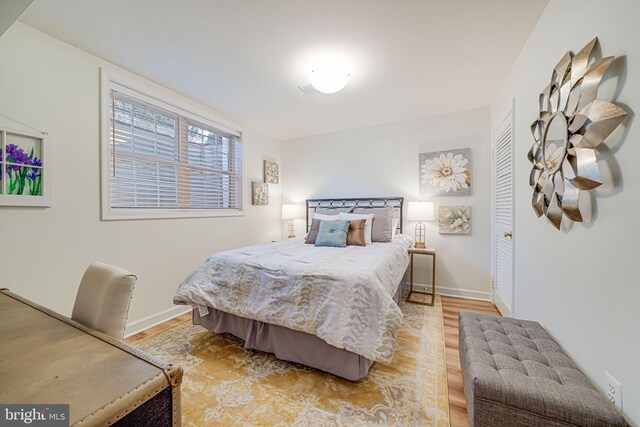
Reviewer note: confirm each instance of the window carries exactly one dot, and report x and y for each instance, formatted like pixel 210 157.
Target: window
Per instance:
pixel 166 162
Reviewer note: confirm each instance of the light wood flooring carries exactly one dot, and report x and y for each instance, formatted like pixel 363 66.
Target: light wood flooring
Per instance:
pixel 132 340
pixel 450 309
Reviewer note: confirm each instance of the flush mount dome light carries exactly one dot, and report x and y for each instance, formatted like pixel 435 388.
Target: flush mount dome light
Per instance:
pixel 329 78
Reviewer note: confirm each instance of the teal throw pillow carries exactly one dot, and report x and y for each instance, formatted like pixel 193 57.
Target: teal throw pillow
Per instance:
pixel 333 233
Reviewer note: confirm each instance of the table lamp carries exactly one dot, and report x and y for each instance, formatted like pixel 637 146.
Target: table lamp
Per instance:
pixel 292 212
pixel 420 211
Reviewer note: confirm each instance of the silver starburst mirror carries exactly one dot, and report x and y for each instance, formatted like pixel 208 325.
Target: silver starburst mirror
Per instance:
pixel 571 124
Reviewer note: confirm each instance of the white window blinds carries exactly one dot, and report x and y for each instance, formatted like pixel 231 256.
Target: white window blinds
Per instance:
pixel 160 159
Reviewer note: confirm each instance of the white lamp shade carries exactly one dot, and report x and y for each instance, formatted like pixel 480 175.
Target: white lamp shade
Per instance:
pixel 329 78
pixel 291 211
pixel 421 211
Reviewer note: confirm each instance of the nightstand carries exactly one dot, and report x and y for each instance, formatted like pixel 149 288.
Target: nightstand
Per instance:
pixel 423 251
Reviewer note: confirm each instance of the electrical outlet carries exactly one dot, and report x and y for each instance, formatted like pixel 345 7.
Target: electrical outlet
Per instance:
pixel 614 390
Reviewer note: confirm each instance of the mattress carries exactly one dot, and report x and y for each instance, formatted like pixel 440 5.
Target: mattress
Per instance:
pixel 344 296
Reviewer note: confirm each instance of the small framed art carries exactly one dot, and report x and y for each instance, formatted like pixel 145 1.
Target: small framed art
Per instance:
pixel 25 168
pixel 454 219
pixel 259 193
pixel 271 172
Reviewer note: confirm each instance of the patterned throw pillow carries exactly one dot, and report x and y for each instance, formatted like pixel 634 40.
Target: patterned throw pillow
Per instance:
pixel 315 226
pixel 333 233
pixel 356 233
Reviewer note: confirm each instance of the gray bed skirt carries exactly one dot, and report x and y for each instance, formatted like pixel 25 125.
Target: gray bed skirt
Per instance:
pixel 290 345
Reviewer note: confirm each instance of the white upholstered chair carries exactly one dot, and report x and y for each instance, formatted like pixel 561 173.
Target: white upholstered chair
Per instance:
pixel 103 299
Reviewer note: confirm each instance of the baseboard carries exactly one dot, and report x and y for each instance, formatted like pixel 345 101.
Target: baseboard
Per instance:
pixel 155 319
pixel 454 292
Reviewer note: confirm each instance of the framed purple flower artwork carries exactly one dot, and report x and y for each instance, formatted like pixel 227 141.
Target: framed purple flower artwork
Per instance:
pixel 25 168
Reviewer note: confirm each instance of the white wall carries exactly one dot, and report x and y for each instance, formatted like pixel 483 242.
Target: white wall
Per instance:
pixel 383 161
pixel 582 284
pixel 55 87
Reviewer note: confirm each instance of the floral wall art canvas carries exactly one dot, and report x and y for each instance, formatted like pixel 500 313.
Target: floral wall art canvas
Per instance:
pixel 445 173
pixel 259 193
pixel 454 219
pixel 23 169
pixel 22 161
pixel 271 172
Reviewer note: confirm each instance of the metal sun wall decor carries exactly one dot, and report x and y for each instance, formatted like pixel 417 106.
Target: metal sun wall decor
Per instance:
pixel 571 124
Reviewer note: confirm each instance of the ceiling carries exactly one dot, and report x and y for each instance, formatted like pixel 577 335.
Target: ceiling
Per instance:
pixel 10 11
pixel 408 59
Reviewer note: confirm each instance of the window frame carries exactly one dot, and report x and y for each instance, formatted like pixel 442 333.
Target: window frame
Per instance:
pixel 156 95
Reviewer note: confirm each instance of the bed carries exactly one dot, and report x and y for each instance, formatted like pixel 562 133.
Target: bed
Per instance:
pixel 333 309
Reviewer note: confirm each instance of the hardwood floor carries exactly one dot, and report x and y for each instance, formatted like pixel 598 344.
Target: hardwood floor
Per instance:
pixel 159 328
pixel 450 308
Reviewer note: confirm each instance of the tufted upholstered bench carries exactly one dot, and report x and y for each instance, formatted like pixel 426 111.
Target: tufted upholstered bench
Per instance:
pixel 515 374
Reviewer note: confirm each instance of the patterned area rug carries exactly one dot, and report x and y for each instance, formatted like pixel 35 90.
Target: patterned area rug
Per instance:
pixel 224 384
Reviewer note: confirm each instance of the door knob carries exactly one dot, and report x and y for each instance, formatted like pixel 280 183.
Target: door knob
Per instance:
pixel 508 234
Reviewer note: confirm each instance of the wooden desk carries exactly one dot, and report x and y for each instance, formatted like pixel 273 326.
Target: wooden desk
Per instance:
pixel 47 358
pixel 423 251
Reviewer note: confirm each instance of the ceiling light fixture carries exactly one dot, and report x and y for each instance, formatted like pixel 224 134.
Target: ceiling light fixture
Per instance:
pixel 329 78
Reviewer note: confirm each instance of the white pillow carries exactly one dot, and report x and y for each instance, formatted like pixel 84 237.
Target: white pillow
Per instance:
pixel 367 225
pixel 324 217
pixel 394 224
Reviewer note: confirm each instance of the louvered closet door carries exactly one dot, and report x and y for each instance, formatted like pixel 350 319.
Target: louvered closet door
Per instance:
pixel 503 216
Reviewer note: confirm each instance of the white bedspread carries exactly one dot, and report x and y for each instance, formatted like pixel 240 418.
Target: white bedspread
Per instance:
pixel 342 295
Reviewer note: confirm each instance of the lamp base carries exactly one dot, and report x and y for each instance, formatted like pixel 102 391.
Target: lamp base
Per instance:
pixel 292 233
pixel 420 236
